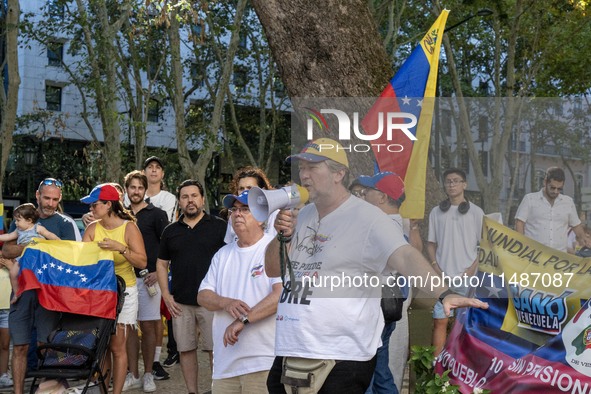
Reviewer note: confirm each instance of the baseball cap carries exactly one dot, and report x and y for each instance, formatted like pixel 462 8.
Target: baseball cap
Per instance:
pixel 386 182
pixel 104 192
pixel 322 149
pixel 151 159
pixel 230 198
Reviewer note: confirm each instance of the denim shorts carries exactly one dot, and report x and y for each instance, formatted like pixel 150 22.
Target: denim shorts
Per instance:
pixel 438 312
pixel 4 318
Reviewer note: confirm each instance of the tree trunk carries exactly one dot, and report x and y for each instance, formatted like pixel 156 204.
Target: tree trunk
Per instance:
pixel 329 51
pixel 9 98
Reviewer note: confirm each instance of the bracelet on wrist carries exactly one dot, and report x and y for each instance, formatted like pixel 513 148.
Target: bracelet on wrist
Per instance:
pixel 122 252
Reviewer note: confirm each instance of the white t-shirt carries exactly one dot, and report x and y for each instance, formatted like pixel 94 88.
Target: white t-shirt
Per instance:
pixel 457 236
pixel 548 224
pixel 163 200
pixel 239 273
pixel 355 239
pixel 269 228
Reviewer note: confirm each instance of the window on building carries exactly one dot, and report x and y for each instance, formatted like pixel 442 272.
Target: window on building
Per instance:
pixel 483 156
pixel 55 54
pixel 53 98
pixel 55 8
pixel 197 32
pixel 579 181
pixel 540 176
pixel 197 75
pixel 445 123
pixel 240 77
pixel 153 110
pixel 278 87
pixel 482 129
pixel 243 43
pixel 464 160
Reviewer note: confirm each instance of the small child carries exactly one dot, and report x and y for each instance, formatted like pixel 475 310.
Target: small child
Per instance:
pixel 27 228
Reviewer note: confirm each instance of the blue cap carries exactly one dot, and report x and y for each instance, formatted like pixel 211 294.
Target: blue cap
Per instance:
pixel 230 198
pixel 104 192
pixel 386 182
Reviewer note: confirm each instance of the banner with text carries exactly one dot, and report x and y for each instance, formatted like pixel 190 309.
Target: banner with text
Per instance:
pixel 536 335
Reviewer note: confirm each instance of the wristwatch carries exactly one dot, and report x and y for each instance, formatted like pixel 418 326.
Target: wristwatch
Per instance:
pixel 244 319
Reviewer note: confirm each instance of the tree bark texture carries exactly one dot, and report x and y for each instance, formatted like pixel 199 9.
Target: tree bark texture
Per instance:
pixel 331 49
pixel 10 99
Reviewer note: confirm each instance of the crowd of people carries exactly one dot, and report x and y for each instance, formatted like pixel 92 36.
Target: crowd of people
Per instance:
pixel 240 289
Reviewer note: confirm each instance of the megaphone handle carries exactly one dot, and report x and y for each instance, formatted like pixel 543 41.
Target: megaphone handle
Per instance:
pixel 285 262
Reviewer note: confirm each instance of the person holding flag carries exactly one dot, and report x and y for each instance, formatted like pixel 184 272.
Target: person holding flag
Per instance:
pixel 115 230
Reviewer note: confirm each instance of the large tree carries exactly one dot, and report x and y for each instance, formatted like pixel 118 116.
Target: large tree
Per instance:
pixel 8 88
pixel 330 51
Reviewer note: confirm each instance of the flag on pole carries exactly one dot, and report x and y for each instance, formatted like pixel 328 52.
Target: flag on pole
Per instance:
pixel 410 91
pixel 73 277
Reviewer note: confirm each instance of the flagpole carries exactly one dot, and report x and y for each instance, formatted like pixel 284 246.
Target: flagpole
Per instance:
pixel 481 12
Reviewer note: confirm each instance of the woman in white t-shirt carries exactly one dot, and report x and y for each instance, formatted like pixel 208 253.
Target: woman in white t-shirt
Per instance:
pixel 245 179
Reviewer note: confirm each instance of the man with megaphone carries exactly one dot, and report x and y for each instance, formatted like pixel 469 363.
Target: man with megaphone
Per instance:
pixel 329 320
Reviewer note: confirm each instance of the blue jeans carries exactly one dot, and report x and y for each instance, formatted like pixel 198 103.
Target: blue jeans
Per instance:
pixel 382 381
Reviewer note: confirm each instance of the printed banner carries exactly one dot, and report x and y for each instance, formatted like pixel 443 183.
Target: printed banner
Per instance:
pixel 74 277
pixel 536 335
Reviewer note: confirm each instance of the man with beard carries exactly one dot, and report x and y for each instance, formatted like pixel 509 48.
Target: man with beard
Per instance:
pixel 151 221
pixel 26 312
pixel 547 214
pixel 187 246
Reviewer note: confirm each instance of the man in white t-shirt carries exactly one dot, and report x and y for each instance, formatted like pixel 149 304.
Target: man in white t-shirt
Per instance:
pixel 244 301
pixel 337 236
pixel 546 215
pixel 455 228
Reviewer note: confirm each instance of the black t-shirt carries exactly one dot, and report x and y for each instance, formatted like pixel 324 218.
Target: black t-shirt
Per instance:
pixel 151 221
pixel 190 251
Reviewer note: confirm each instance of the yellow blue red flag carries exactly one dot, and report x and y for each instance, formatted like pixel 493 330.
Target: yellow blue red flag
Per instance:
pixel 410 91
pixel 74 277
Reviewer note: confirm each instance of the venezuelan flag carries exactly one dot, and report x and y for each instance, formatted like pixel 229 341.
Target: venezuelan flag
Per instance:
pixel 74 277
pixel 411 90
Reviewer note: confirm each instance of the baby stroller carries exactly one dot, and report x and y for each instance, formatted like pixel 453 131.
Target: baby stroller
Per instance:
pixel 76 349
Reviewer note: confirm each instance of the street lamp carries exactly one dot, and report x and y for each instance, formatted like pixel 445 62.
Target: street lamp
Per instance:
pixel 30 159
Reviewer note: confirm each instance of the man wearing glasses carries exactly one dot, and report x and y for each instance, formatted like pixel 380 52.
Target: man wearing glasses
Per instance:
pixel 26 312
pixel 546 215
pixel 187 246
pixel 244 301
pixel 455 227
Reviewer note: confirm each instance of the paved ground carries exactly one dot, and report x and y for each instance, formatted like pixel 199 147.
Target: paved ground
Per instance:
pixel 420 331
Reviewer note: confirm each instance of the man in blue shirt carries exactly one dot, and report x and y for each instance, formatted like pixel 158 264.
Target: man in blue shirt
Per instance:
pixel 26 312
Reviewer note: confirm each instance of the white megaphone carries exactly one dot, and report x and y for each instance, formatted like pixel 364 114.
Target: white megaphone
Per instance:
pixel 264 202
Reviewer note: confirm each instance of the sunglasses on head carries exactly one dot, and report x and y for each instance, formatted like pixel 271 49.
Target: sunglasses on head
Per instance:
pixel 51 182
